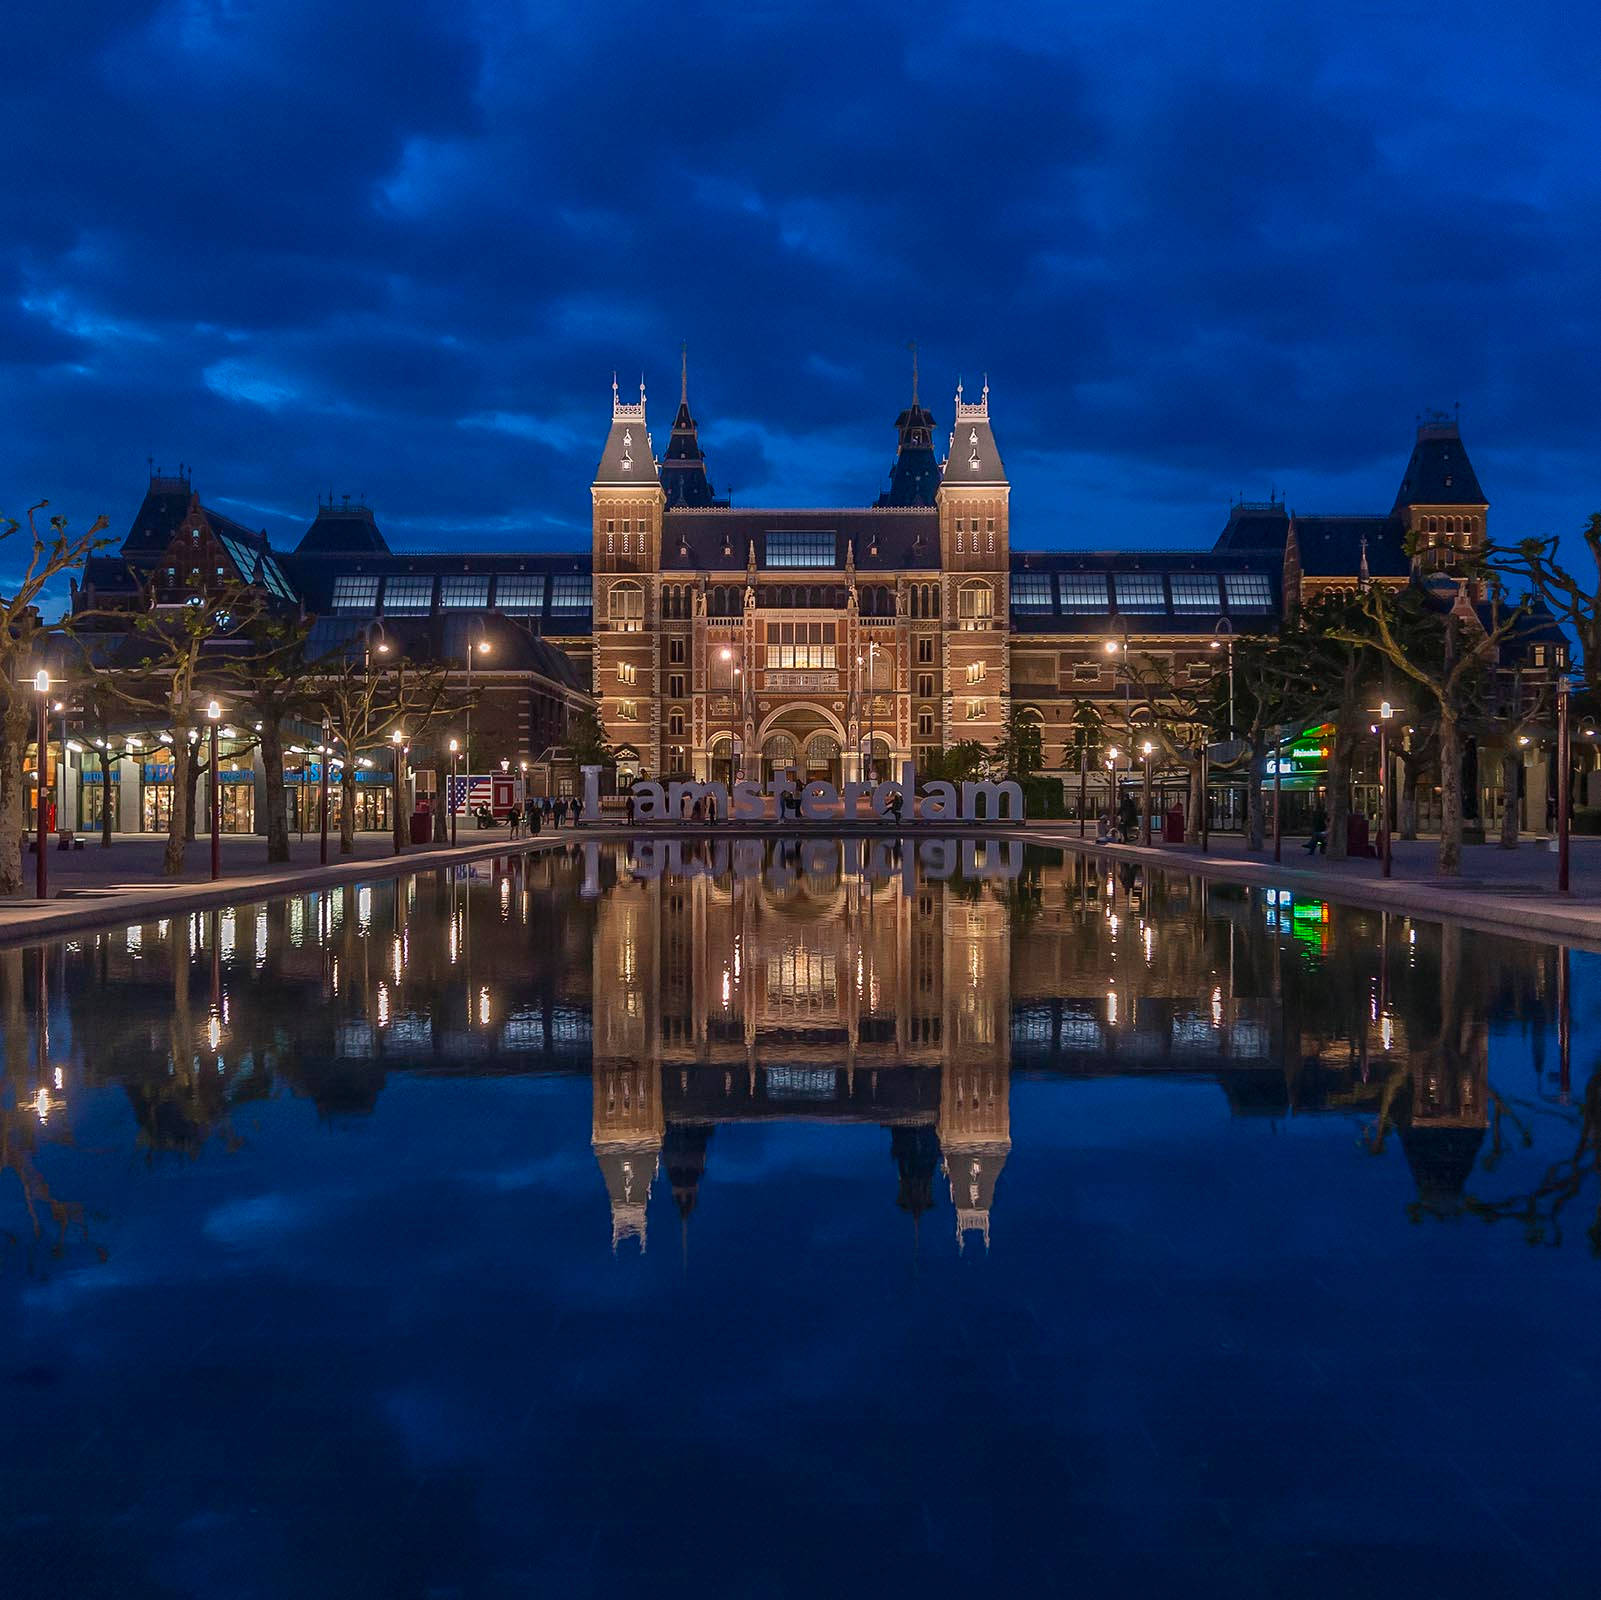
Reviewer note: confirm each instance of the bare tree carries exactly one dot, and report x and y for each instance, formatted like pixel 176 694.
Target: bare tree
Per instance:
pixel 54 555
pixel 1575 602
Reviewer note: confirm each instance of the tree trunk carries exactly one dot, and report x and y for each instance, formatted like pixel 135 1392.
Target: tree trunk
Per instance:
pixel 1192 812
pixel 277 805
pixel 196 766
pixel 106 820
pixel 1512 801
pixel 1339 781
pixel 178 827
pixel 1407 820
pixel 347 808
pixel 1255 803
pixel 14 725
pixel 1450 864
pixel 398 815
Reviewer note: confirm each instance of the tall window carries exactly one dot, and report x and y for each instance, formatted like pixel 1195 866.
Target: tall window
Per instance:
pixel 975 605
pixel 1248 591
pixel 520 592
pixel 628 710
pixel 1140 592
pixel 925 724
pixel 625 607
pixel 925 685
pixel 408 594
pixel 977 671
pixel 675 724
pixel 570 591
pixel 795 549
pixel 627 673
pixel 464 592
pixel 975 710
pixel 675 686
pixel 1194 591
pixel 802 644
pixel 1031 592
pixel 925 648
pixel 355 592
pixel 675 650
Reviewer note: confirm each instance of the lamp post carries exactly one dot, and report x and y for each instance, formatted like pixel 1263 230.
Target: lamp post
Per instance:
pixel 1564 755
pixel 213 715
pixel 454 748
pixel 1111 780
pixel 322 782
pixel 1386 713
pixel 1145 819
pixel 41 683
pixel 398 739
pixel 1119 648
pixel 872 724
pixel 482 648
pixel 1083 777
pixel 1226 628
pixel 728 652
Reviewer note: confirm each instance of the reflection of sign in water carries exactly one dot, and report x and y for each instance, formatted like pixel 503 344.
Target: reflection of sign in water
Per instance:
pixel 802 1083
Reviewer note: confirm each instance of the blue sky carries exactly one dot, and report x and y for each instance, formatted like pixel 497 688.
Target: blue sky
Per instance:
pixel 322 246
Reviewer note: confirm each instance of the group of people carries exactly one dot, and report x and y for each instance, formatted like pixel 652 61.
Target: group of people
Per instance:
pixel 1122 829
pixel 537 813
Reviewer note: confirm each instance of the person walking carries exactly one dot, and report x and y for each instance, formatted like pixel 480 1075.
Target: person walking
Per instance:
pixel 1318 844
pixel 630 808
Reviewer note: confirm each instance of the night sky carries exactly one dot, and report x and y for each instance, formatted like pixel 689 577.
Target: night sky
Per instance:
pixel 318 246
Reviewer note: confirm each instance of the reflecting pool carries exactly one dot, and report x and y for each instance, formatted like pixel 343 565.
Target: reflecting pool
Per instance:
pixel 797 1220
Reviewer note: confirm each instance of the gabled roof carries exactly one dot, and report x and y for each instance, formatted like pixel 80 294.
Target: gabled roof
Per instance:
pixel 165 505
pixel 1255 525
pixel 974 460
pixel 627 462
pixel 342 529
pixel 1333 547
pixel 1439 473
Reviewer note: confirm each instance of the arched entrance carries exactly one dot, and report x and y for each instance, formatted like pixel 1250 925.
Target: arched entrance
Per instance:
pixel 877 767
pixel 822 759
pixel 778 755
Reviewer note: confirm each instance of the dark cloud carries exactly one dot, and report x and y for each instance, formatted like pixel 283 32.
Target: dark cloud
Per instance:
pixel 400 250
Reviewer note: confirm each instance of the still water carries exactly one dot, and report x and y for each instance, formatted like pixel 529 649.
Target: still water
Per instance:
pixel 811 1221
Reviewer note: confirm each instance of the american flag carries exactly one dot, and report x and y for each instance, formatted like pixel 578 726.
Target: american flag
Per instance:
pixel 475 792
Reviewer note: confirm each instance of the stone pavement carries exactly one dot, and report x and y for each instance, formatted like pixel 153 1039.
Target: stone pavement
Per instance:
pixel 97 885
pixel 1505 891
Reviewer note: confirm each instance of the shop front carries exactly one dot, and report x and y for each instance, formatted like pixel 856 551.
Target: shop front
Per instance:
pixel 236 796
pixel 302 789
pixel 96 797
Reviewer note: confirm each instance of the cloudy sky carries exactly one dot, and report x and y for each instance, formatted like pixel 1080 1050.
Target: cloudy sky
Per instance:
pixel 398 251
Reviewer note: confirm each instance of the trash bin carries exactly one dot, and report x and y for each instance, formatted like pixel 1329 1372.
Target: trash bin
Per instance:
pixel 421 826
pixel 1173 825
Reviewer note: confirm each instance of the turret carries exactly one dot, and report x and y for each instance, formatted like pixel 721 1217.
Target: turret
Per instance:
pixel 914 479
pixel 1440 504
pixel 683 469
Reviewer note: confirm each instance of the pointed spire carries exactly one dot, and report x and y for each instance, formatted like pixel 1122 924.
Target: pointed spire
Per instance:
pixel 915 475
pixel 913 348
pixel 683 374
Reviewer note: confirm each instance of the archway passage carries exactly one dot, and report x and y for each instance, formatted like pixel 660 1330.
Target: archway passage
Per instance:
pixel 778 755
pixel 822 759
pixel 805 741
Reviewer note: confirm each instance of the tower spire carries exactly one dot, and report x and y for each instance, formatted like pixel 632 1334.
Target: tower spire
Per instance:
pixel 913 349
pixel 683 374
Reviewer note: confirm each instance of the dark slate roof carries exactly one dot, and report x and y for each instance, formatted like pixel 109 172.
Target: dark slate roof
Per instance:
pixel 683 467
pixel 317 577
pixel 514 645
pixel 1255 525
pixel 914 478
pixel 1331 547
pixel 165 505
pixel 889 539
pixel 107 577
pixel 1194 591
pixel 1439 473
pixel 974 459
pixel 627 462
pixel 343 529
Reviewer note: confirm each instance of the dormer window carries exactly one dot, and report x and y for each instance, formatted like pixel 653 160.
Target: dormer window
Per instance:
pixel 1448 480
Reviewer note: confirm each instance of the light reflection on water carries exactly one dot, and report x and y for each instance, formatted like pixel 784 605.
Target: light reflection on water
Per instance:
pixel 835 1071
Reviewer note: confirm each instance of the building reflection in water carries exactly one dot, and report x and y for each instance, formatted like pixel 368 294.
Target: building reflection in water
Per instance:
pixel 774 981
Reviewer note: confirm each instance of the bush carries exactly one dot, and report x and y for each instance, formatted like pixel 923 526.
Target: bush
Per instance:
pixel 1044 797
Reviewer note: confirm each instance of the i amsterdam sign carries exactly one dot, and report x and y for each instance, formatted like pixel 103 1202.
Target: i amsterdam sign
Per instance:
pixel 820 801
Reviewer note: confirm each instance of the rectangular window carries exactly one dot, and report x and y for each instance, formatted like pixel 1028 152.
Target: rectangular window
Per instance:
pixel 1248 591
pixel 408 596
pixel 795 549
pixel 1140 591
pixel 625 608
pixel 675 686
pixel 354 592
pixel 925 724
pixel 569 591
pixel 975 710
pixel 675 724
pixel 1031 592
pixel 989 524
pixel 611 526
pixel 802 644
pixel 464 592
pixel 975 605
pixel 925 685
pixel 925 649
pixel 1082 592
pixel 675 650
pixel 520 592
pixel 1194 591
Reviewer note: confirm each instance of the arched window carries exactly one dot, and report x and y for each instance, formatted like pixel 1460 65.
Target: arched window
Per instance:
pixel 625 607
pixel 975 605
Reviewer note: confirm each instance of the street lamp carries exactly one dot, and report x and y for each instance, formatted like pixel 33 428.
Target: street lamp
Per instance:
pixel 1226 628
pixel 481 647
pixel 398 739
pixel 1145 820
pixel 872 725
pixel 1278 792
pixel 1386 713
pixel 213 716
pixel 728 652
pixel 41 684
pixel 1564 754
pixel 454 747
pixel 1111 767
